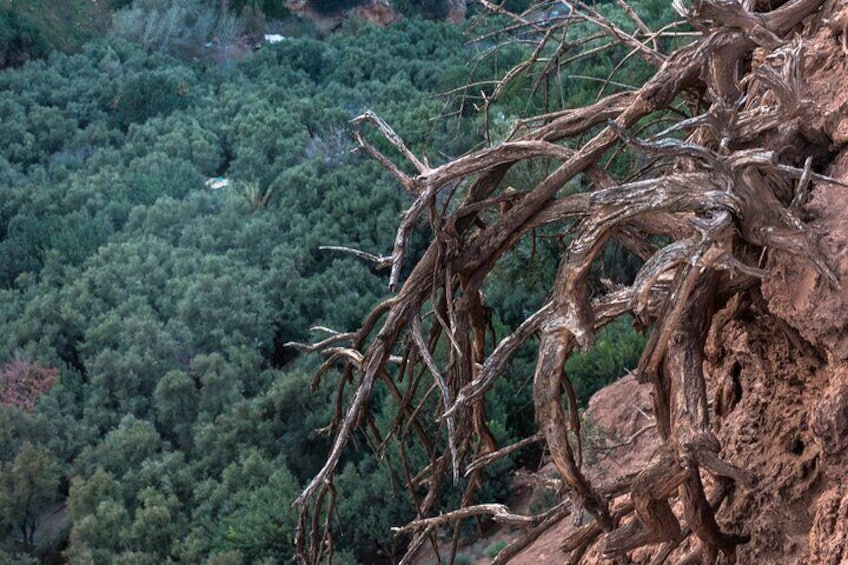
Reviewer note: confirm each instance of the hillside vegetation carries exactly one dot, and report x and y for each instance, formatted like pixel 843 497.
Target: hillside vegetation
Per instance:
pixel 150 409
pixel 30 29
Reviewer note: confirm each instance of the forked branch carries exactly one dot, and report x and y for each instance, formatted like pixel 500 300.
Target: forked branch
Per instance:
pixel 711 194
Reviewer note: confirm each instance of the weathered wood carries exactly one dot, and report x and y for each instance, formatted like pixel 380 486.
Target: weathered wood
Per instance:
pixel 555 346
pixel 718 189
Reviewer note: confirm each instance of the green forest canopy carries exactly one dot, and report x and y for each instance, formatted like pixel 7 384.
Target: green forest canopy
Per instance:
pixel 179 427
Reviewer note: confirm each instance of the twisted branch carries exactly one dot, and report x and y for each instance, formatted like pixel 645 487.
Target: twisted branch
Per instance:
pixel 715 191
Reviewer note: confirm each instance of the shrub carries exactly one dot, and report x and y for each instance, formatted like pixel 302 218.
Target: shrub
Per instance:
pixel 617 350
pixel 19 40
pixel 169 26
pixel 428 9
pixel 151 94
pixel 329 6
pixel 495 548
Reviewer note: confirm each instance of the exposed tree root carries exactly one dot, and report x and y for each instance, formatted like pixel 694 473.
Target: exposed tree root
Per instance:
pixel 722 189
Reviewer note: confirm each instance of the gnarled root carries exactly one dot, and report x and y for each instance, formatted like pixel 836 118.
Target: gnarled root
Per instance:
pixel 717 188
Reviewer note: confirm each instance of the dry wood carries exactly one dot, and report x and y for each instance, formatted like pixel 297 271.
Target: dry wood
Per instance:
pixel 716 187
pixel 379 262
pixel 499 512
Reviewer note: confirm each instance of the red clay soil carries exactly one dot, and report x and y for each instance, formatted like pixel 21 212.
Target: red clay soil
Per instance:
pixel 377 12
pixel 619 439
pixel 780 409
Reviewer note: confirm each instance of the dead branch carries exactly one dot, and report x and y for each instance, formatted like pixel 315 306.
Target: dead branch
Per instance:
pixel 621 36
pixel 609 447
pixel 714 185
pixel 552 517
pixel 499 513
pixel 503 452
pixel 430 362
pixel 379 262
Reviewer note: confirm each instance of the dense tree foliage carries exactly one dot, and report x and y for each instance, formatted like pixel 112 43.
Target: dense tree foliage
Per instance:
pixel 180 427
pixel 431 9
pixel 30 29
